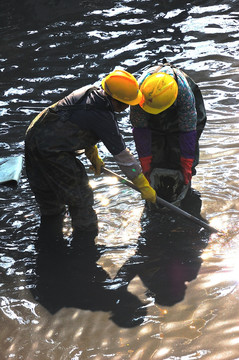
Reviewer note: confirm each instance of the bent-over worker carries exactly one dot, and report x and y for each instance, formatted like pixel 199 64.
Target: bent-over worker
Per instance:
pixel 79 121
pixel 167 125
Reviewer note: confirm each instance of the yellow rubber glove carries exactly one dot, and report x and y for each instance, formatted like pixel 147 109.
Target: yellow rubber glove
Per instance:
pixel 96 161
pixel 147 192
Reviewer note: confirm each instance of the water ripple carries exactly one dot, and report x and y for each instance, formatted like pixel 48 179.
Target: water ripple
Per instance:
pixel 41 63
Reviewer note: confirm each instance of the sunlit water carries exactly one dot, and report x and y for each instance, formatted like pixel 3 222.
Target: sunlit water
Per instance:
pixel 161 288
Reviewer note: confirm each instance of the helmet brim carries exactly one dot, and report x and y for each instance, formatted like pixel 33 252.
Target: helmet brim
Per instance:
pixel 153 111
pixel 135 101
pixel 123 98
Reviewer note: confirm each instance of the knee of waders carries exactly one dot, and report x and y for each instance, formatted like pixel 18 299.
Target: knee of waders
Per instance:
pixel 83 218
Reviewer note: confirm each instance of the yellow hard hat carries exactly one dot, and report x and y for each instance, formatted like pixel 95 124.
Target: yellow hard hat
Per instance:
pixel 123 87
pixel 160 91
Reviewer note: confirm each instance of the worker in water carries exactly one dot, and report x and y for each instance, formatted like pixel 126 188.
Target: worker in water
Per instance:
pixel 167 125
pixel 76 123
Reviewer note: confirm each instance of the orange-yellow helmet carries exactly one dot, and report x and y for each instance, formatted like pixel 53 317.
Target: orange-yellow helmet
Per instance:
pixel 123 87
pixel 159 90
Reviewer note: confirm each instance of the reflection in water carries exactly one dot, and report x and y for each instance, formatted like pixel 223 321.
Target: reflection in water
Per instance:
pixel 168 254
pixel 49 48
pixel 74 279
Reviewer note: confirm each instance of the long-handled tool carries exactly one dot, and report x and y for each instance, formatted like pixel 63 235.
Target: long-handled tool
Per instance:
pixel 163 202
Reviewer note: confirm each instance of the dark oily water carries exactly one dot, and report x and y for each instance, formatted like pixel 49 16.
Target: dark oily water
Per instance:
pixel 161 288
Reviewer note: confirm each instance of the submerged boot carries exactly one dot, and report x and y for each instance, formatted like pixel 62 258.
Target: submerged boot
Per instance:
pixel 83 240
pixel 85 228
pixel 50 236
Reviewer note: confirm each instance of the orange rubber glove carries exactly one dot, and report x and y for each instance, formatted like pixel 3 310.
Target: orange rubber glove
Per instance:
pixel 186 167
pixel 145 165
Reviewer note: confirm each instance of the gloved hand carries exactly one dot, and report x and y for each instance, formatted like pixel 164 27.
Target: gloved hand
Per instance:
pixel 147 192
pixel 186 167
pixel 145 165
pixel 96 161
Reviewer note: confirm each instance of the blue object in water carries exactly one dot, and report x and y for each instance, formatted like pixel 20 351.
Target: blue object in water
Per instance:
pixel 10 169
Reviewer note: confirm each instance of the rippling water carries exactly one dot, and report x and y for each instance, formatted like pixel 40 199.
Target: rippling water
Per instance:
pixel 162 288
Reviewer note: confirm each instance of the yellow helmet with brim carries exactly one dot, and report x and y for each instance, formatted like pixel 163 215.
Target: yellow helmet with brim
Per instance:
pixel 160 90
pixel 122 86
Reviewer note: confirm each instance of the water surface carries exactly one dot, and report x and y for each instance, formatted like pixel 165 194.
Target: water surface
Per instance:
pixel 160 287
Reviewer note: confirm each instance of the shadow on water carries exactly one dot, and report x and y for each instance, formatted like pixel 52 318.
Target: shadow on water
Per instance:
pixel 168 253
pixel 74 279
pixel 167 256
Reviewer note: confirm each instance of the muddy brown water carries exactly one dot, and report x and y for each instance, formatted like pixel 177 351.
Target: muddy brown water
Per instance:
pixel 160 288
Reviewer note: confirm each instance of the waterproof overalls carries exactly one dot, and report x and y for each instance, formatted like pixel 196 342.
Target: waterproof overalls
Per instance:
pixel 56 175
